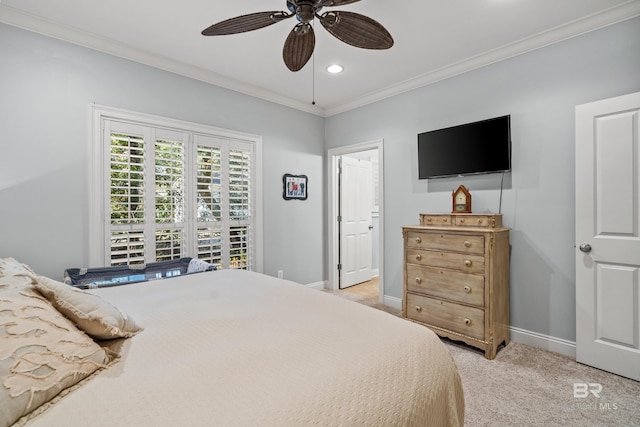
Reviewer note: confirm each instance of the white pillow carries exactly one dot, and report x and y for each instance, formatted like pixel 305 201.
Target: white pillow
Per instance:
pixel 197 265
pixel 89 312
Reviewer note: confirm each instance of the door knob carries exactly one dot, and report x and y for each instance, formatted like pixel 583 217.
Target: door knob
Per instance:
pixel 371 227
pixel 585 247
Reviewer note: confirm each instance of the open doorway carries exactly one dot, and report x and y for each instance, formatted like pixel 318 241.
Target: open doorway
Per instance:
pixel 353 260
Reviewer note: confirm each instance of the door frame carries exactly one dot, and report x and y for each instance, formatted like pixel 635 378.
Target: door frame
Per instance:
pixel 333 209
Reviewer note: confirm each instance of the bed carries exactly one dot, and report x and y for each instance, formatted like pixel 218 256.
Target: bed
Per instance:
pixel 224 348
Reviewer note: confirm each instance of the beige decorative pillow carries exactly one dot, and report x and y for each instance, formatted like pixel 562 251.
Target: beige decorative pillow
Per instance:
pixel 89 312
pixel 14 273
pixel 41 353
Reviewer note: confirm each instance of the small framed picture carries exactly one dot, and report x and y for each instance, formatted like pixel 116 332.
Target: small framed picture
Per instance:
pixel 294 187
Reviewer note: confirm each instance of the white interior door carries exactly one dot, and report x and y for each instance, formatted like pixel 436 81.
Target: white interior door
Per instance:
pixel 355 221
pixel 608 235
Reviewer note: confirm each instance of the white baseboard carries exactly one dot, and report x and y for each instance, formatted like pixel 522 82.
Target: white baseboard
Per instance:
pixel 393 302
pixel 546 342
pixel 318 285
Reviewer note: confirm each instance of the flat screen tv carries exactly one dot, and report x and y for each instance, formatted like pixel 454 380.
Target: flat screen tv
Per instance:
pixel 472 148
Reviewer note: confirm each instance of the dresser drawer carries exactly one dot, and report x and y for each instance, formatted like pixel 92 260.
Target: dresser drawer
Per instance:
pixel 451 285
pixel 464 320
pixel 426 219
pixel 482 221
pixel 470 244
pixel 473 264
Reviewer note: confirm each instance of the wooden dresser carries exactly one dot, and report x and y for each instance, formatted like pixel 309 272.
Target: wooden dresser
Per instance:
pixel 456 278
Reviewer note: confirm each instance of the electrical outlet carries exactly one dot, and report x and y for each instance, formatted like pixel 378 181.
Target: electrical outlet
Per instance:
pixel 280 274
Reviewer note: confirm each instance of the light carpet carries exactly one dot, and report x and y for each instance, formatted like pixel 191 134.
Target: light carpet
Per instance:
pixel 528 386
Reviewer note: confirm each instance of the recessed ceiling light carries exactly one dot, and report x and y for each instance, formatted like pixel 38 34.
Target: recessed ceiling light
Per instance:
pixel 335 68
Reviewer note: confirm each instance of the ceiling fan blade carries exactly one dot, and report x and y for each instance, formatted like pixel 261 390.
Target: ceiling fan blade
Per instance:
pixel 331 3
pixel 357 30
pixel 244 23
pixel 298 47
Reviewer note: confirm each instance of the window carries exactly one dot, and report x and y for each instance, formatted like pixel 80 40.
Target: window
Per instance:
pixel 165 189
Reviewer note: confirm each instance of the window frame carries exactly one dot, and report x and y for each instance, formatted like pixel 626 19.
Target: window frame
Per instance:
pixel 98 213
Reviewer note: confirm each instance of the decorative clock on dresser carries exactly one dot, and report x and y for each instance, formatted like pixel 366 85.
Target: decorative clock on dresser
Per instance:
pixel 456 278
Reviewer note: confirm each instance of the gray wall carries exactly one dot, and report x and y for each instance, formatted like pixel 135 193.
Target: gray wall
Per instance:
pixel 46 86
pixel 539 90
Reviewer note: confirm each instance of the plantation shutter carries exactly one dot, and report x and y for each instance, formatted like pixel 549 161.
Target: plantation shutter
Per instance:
pixel 169 194
pixel 240 207
pixel 172 194
pixel 126 193
pixel 224 209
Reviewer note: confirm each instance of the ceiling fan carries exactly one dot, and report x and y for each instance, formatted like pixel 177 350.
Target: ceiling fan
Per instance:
pixel 352 28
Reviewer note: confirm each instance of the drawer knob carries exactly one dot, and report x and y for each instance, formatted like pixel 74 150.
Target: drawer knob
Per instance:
pixel 461 220
pixel 418 280
pixel 419 257
pixel 418 308
pixel 418 239
pixel 467 262
pixel 467 289
pixel 467 322
pixel 467 243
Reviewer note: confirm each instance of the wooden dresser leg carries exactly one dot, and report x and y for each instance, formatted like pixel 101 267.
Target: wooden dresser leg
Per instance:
pixel 490 352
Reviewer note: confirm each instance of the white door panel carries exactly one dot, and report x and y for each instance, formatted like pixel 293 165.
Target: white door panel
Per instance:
pixel 616 304
pixel 608 235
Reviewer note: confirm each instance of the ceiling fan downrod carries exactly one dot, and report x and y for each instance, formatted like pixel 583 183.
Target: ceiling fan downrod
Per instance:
pixel 305 10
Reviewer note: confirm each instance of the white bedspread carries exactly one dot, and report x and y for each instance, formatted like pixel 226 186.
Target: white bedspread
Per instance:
pixel 234 348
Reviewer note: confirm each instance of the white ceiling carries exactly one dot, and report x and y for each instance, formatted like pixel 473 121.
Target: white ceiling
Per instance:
pixel 433 40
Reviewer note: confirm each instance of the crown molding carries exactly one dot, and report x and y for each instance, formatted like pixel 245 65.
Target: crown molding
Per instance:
pixel 575 28
pixel 17 18
pixel 14 17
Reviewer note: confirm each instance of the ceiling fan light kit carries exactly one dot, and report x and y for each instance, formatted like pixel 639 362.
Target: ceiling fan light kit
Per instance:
pixel 349 27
